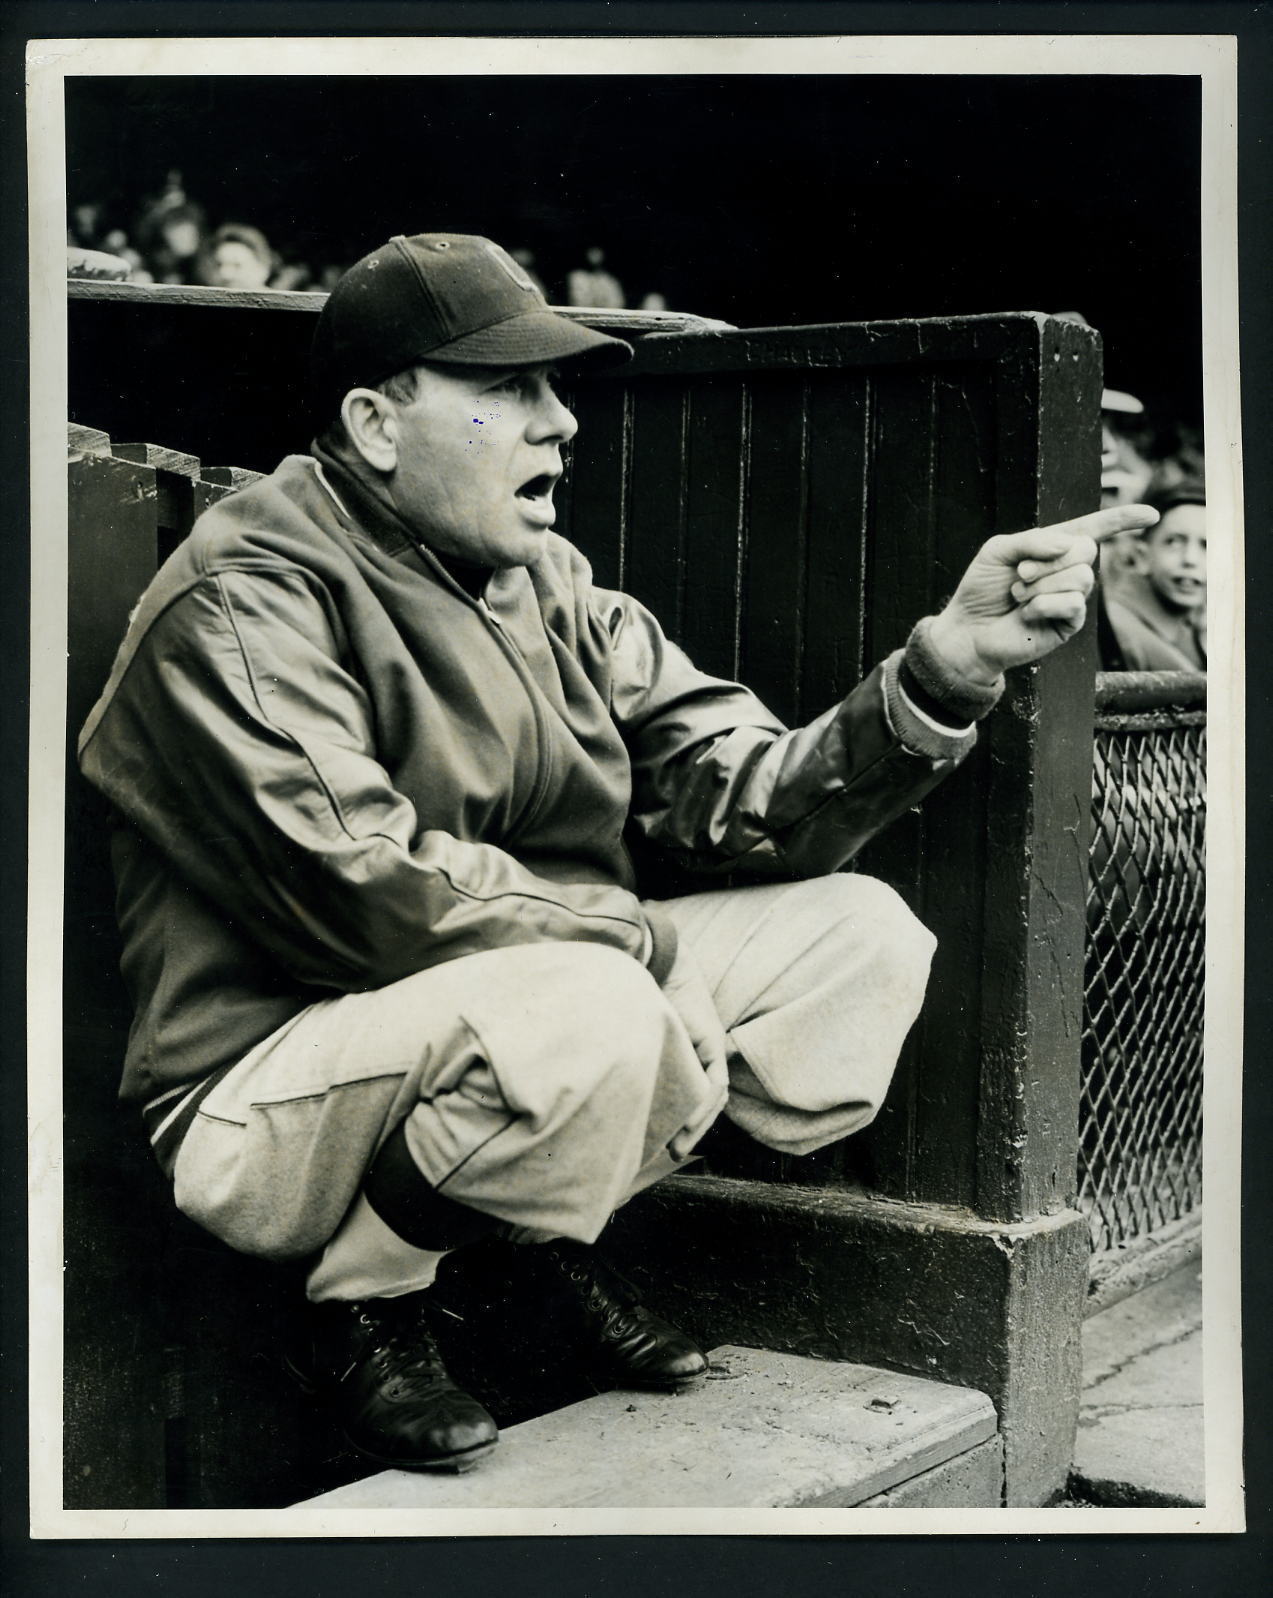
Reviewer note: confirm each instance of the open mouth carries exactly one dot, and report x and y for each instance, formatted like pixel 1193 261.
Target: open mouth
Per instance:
pixel 538 488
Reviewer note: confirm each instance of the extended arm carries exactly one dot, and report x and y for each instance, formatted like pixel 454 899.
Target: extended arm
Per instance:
pixel 805 801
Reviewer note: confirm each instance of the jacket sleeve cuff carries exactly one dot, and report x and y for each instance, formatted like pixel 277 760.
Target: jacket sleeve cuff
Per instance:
pixel 915 731
pixel 661 943
pixel 949 697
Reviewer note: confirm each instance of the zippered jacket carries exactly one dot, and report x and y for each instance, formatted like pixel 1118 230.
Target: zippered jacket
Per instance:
pixel 331 766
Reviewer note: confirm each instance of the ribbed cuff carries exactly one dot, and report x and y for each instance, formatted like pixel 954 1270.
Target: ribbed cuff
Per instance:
pixel 952 698
pixel 914 729
pixel 663 943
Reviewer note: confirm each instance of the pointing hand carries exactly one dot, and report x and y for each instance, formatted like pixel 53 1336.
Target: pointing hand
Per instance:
pixel 1025 594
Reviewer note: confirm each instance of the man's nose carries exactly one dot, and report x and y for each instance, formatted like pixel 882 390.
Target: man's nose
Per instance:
pixel 552 420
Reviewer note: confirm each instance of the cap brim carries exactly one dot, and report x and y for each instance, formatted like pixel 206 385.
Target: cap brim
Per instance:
pixel 530 339
pixel 1113 399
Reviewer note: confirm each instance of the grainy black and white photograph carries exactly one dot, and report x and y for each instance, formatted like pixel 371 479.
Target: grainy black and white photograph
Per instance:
pixel 634 915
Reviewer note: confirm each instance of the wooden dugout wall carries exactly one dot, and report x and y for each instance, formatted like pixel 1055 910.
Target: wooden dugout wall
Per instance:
pixel 788 501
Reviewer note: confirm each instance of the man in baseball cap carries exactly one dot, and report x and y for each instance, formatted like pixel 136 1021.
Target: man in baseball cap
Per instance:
pixel 377 738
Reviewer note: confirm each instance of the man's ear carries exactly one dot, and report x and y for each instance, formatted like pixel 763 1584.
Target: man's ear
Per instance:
pixel 371 421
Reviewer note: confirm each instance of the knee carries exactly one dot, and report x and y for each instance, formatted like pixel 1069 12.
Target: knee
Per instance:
pixel 868 905
pixel 615 1009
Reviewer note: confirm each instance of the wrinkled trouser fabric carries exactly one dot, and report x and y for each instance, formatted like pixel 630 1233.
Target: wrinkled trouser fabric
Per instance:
pixel 545 1084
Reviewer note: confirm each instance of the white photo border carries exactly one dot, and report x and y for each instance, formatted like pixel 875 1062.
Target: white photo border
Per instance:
pixel 1212 59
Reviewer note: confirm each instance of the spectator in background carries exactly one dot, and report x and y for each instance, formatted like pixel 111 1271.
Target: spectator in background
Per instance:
pixel 1126 443
pixel 170 232
pixel 592 285
pixel 85 226
pixel 177 239
pixel 1126 438
pixel 236 257
pixel 115 242
pixel 1126 471
pixel 1157 607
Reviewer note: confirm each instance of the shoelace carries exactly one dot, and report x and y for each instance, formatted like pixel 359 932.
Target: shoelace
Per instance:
pixel 617 1318
pixel 405 1353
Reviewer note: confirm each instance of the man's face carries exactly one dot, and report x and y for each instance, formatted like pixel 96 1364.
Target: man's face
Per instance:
pixel 478 457
pixel 236 266
pixel 1174 557
pixel 1125 473
pixel 182 238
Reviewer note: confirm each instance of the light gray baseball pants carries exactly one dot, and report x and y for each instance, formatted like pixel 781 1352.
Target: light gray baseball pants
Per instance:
pixel 545 1084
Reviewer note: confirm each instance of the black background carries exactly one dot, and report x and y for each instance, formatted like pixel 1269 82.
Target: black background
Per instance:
pixel 1128 1566
pixel 756 199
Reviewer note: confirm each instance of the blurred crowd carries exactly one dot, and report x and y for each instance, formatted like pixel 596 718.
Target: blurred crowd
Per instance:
pixel 1152 603
pixel 170 240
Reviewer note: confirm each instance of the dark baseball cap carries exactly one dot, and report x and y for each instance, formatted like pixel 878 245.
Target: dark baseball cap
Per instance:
pixel 445 297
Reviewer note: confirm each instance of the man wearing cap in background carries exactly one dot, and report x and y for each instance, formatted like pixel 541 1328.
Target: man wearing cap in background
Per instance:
pixel 374 740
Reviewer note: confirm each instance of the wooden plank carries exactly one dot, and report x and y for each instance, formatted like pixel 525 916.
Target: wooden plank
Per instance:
pixel 113 1343
pixel 112 556
pixel 592 499
pixel 922 343
pixel 714 518
pixel 898 555
pixel 656 567
pixel 163 296
pixel 624 323
pixel 1039 804
pixel 835 490
pixel 767 1430
pixel 86 440
pixel 176 472
pixel 160 457
pixel 231 476
pixel 214 484
pixel 773 586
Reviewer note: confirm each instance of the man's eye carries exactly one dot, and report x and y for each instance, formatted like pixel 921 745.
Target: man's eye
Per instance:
pixel 523 385
pixel 513 385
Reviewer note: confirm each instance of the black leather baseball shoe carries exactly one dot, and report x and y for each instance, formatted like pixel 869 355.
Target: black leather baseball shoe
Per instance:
pixel 624 1342
pixel 377 1367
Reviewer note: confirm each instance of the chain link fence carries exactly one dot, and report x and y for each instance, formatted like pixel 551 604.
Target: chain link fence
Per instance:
pixel 1140 1153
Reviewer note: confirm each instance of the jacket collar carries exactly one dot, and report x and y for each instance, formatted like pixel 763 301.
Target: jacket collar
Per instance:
pixel 365 506
pixel 1182 630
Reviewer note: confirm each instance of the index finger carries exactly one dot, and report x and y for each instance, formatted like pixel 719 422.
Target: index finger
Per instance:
pixel 1119 519
pixel 1059 540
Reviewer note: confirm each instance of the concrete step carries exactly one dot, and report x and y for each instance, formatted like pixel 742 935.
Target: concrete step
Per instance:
pixel 766 1430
